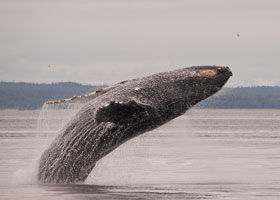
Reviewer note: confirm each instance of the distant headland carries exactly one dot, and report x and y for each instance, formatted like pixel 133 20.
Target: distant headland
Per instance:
pixel 31 96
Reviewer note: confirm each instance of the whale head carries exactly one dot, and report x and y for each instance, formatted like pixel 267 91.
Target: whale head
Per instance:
pixel 203 81
pixel 192 84
pixel 183 88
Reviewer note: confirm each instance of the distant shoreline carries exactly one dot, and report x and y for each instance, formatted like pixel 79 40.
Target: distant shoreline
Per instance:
pixel 38 110
pixel 31 96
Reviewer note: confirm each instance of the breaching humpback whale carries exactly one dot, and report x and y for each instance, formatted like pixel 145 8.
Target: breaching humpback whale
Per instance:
pixel 113 115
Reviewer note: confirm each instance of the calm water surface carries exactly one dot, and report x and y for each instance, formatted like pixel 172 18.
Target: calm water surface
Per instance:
pixel 205 154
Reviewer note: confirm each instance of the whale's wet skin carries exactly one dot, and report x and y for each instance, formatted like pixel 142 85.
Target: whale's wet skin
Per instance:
pixel 118 113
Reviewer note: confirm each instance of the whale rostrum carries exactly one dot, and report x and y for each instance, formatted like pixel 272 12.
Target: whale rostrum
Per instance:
pixel 113 115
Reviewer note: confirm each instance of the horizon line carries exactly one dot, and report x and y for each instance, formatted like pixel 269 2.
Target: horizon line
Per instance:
pixel 105 84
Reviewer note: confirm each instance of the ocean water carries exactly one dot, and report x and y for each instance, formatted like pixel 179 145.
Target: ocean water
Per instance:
pixel 204 154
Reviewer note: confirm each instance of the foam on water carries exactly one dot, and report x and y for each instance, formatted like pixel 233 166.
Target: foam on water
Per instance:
pixel 27 175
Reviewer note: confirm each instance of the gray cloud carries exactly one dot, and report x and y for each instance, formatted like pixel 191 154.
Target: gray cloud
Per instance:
pixel 108 41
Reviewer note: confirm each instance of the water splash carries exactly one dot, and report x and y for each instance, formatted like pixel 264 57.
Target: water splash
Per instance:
pixel 51 119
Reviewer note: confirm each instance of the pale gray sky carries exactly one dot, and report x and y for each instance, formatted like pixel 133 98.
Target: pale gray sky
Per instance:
pixel 106 41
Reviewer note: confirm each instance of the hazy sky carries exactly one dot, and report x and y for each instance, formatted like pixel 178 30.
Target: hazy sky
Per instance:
pixel 106 41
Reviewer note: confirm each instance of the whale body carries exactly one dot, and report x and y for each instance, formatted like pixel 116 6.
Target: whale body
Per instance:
pixel 113 115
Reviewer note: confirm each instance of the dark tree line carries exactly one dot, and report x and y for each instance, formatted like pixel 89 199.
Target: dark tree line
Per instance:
pixel 245 97
pixel 28 96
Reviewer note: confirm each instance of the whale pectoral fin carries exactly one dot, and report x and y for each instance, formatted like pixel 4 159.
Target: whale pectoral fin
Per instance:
pixel 126 113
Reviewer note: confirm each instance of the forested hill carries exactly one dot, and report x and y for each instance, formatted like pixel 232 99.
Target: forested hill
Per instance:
pixel 27 96
pixel 245 97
